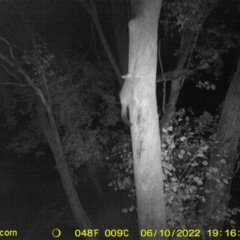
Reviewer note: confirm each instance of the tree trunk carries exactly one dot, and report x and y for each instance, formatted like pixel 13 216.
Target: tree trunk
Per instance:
pixel 50 131
pixel 93 12
pixel 52 136
pixel 187 42
pixel 120 19
pixel 93 175
pixel 189 37
pixel 226 148
pixel 144 117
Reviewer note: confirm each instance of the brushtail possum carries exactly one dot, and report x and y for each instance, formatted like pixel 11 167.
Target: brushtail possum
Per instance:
pixel 126 98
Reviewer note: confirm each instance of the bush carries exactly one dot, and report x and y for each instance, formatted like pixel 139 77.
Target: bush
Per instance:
pixel 186 146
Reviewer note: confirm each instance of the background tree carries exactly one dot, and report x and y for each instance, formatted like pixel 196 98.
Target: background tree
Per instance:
pixel 47 121
pixel 223 157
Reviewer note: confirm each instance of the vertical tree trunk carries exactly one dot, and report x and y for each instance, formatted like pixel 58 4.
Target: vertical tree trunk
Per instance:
pixel 186 45
pixel 226 148
pixel 51 134
pixel 143 115
pixel 50 131
pixel 93 175
pixel 93 12
pixel 120 19
pixel 189 37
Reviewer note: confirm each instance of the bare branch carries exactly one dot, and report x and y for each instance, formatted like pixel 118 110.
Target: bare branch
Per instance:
pixel 174 75
pixel 94 14
pixel 11 73
pixel 164 79
pixel 27 78
pixel 84 3
pixel 15 84
pixel 10 49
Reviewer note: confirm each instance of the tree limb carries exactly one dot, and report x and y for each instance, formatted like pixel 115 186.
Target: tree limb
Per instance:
pixel 173 75
pixel 27 78
pixel 94 14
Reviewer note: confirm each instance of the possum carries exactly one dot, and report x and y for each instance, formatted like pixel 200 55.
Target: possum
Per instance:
pixel 126 98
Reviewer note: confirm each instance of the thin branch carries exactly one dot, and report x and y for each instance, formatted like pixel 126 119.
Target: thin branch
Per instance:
pixel 28 79
pixel 11 74
pixel 165 81
pixel 93 12
pixel 86 6
pixel 194 44
pixel 201 23
pixel 99 59
pixel 10 49
pixel 15 84
pixel 174 75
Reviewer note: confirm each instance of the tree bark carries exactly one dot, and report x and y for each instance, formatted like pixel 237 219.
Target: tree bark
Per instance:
pixel 189 37
pixel 144 117
pixel 226 148
pixel 93 175
pixel 120 19
pixel 50 131
pixel 93 12
pixel 187 42
pixel 52 136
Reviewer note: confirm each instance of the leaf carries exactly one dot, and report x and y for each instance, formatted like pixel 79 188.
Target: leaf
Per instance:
pixel 131 208
pixel 198 180
pixel 204 148
pixel 194 164
pixel 223 161
pixel 164 130
pixel 213 169
pixel 200 154
pixel 164 145
pixel 183 138
pixel 124 210
pixel 180 156
pixel 182 151
pixel 189 153
pixel 213 87
pixel 225 181
pixel 172 146
pixel 232 222
pixel 192 188
pixel 173 179
pixel 205 163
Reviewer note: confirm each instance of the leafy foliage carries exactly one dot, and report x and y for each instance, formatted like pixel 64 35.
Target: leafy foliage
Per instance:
pixel 120 161
pixel 184 14
pixel 186 145
pixel 81 98
pixel 213 38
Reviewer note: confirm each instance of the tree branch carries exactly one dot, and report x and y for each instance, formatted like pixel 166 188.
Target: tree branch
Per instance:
pixel 10 49
pixel 27 78
pixel 173 75
pixel 11 74
pixel 93 12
